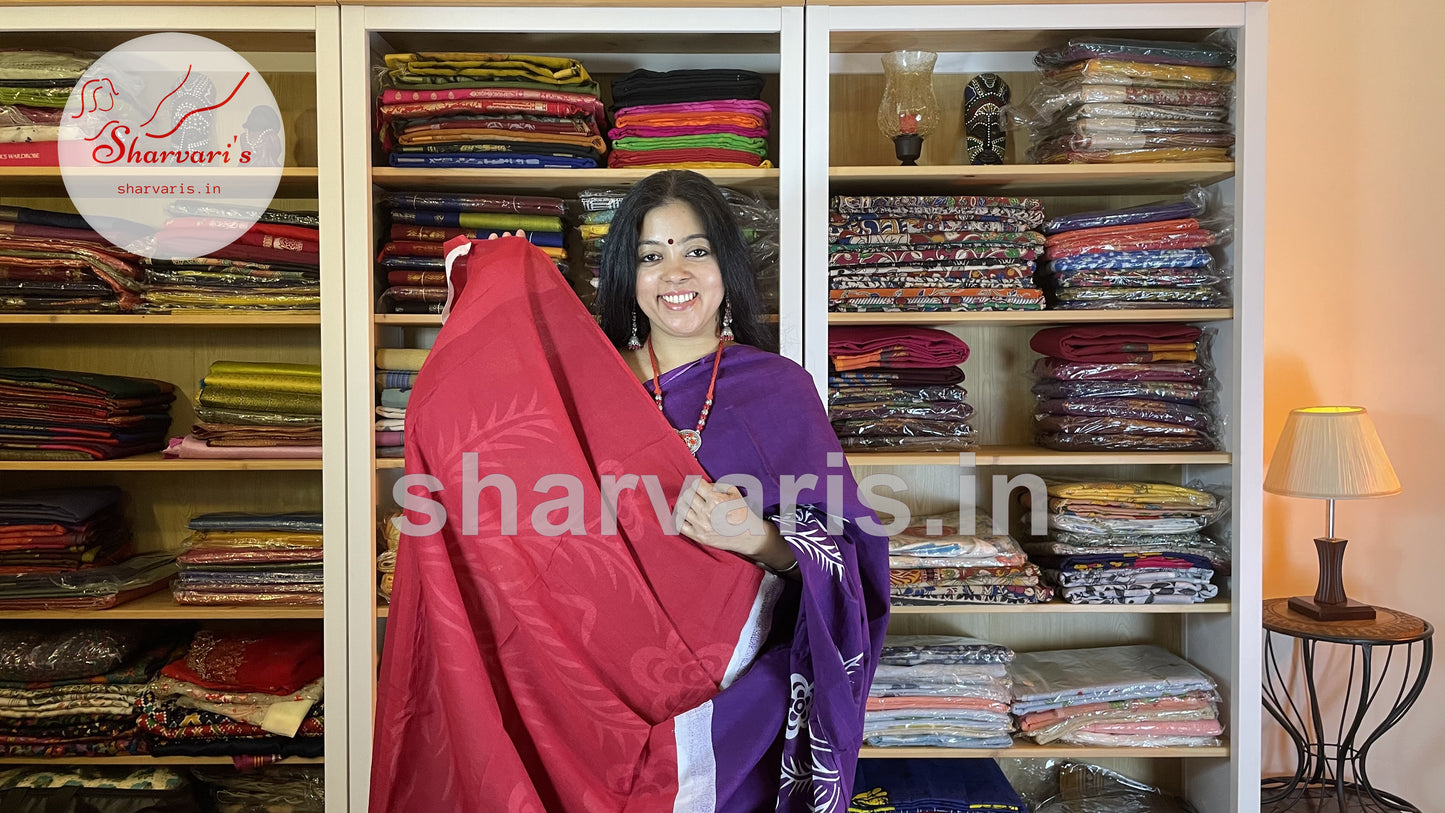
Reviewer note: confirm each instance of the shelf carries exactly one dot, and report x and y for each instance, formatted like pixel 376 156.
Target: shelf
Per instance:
pixel 435 320
pixel 143 759
pixel 154 462
pixel 408 320
pixel 880 39
pixel 296 182
pixel 1028 179
pixel 241 319
pixel 159 606
pixel 1029 750
pixel 1034 456
pixel 1214 606
pixel 552 181
pixel 383 611
pixel 1044 317
pixel 1004 456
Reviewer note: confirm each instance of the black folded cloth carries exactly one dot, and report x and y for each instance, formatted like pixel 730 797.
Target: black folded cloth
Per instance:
pixel 644 87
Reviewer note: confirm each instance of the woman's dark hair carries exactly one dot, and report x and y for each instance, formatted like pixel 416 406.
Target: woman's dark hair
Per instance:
pixel 617 278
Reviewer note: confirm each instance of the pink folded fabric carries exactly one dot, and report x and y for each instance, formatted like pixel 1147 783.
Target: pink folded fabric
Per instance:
pixel 696 129
pixel 190 448
pixel 389 438
pixel 854 347
pixel 717 106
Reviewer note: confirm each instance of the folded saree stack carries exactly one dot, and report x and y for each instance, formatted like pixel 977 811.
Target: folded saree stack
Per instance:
pixel 1125 101
pixel 273 263
pixel 251 559
pixel 396 369
pixel 71 690
pixel 1128 387
pixel 389 540
pixel 758 219
pixel 412 264
pixel 68 415
pixel 936 561
pixel 54 262
pixel 71 548
pixel 513 111
pixel 689 119
pixel 238 694
pixel 1119 696
pixel 1152 256
pixel 897 388
pixel 940 691
pixel 1130 543
pixel 933 786
pixel 933 253
pixel 255 410
pixel 34 86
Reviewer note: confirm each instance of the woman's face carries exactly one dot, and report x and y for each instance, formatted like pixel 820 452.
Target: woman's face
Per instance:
pixel 679 286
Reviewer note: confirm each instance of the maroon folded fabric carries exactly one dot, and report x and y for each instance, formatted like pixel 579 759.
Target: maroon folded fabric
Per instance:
pixel 1116 343
pixel 893 347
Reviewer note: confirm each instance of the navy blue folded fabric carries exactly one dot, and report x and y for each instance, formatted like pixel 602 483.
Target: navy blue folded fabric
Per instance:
pixel 932 786
pixel 63 506
pixel 513 161
pixel 297 521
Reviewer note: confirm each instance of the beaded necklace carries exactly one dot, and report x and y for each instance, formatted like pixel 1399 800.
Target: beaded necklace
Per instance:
pixel 691 437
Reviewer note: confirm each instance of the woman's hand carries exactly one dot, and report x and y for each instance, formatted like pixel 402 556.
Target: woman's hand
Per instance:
pixel 519 233
pixel 738 530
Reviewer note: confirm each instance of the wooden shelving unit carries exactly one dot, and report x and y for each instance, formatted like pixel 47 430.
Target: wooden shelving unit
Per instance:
pixel 1017 455
pixel 222 319
pixel 296 50
pixel 556 182
pixel 155 462
pixel 1030 750
pixel 1041 318
pixel 1056 606
pixel 1030 179
pixel 159 606
pixel 846 155
pixel 145 759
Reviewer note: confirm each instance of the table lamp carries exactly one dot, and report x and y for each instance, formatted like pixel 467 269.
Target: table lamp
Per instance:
pixel 1330 453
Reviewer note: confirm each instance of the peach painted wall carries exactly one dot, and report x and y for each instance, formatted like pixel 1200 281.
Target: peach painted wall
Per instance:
pixel 1356 313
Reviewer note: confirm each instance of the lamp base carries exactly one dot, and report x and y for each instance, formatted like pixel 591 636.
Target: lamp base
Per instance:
pixel 907 148
pixel 1350 610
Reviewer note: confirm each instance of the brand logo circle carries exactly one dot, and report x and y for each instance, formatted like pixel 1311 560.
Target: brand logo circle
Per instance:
pixel 171 146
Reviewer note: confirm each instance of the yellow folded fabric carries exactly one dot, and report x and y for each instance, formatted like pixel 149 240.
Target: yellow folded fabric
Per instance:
pixel 400 358
pixel 264 368
pixel 242 540
pixel 1132 492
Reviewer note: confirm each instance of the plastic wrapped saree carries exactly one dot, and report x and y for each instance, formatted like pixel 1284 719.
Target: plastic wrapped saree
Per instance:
pixel 572 666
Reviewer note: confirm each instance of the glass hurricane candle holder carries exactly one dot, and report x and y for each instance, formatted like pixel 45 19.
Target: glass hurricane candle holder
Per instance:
pixel 908 112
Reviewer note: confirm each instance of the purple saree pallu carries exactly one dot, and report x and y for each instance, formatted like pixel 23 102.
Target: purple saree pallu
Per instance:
pixel 786 735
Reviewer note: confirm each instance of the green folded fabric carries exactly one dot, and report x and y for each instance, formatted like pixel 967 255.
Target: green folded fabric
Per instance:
pixel 497 221
pixel 264 368
pixel 289 403
pixel 717 141
pixel 263 382
pixel 400 358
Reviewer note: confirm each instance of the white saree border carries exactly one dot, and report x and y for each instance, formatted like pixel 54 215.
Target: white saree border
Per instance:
pixel 696 764
pixel 756 630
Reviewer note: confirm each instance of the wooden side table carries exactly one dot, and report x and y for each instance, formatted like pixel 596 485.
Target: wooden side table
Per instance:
pixel 1331 772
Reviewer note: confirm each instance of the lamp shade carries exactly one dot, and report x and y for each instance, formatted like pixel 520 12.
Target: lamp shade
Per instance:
pixel 1330 453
